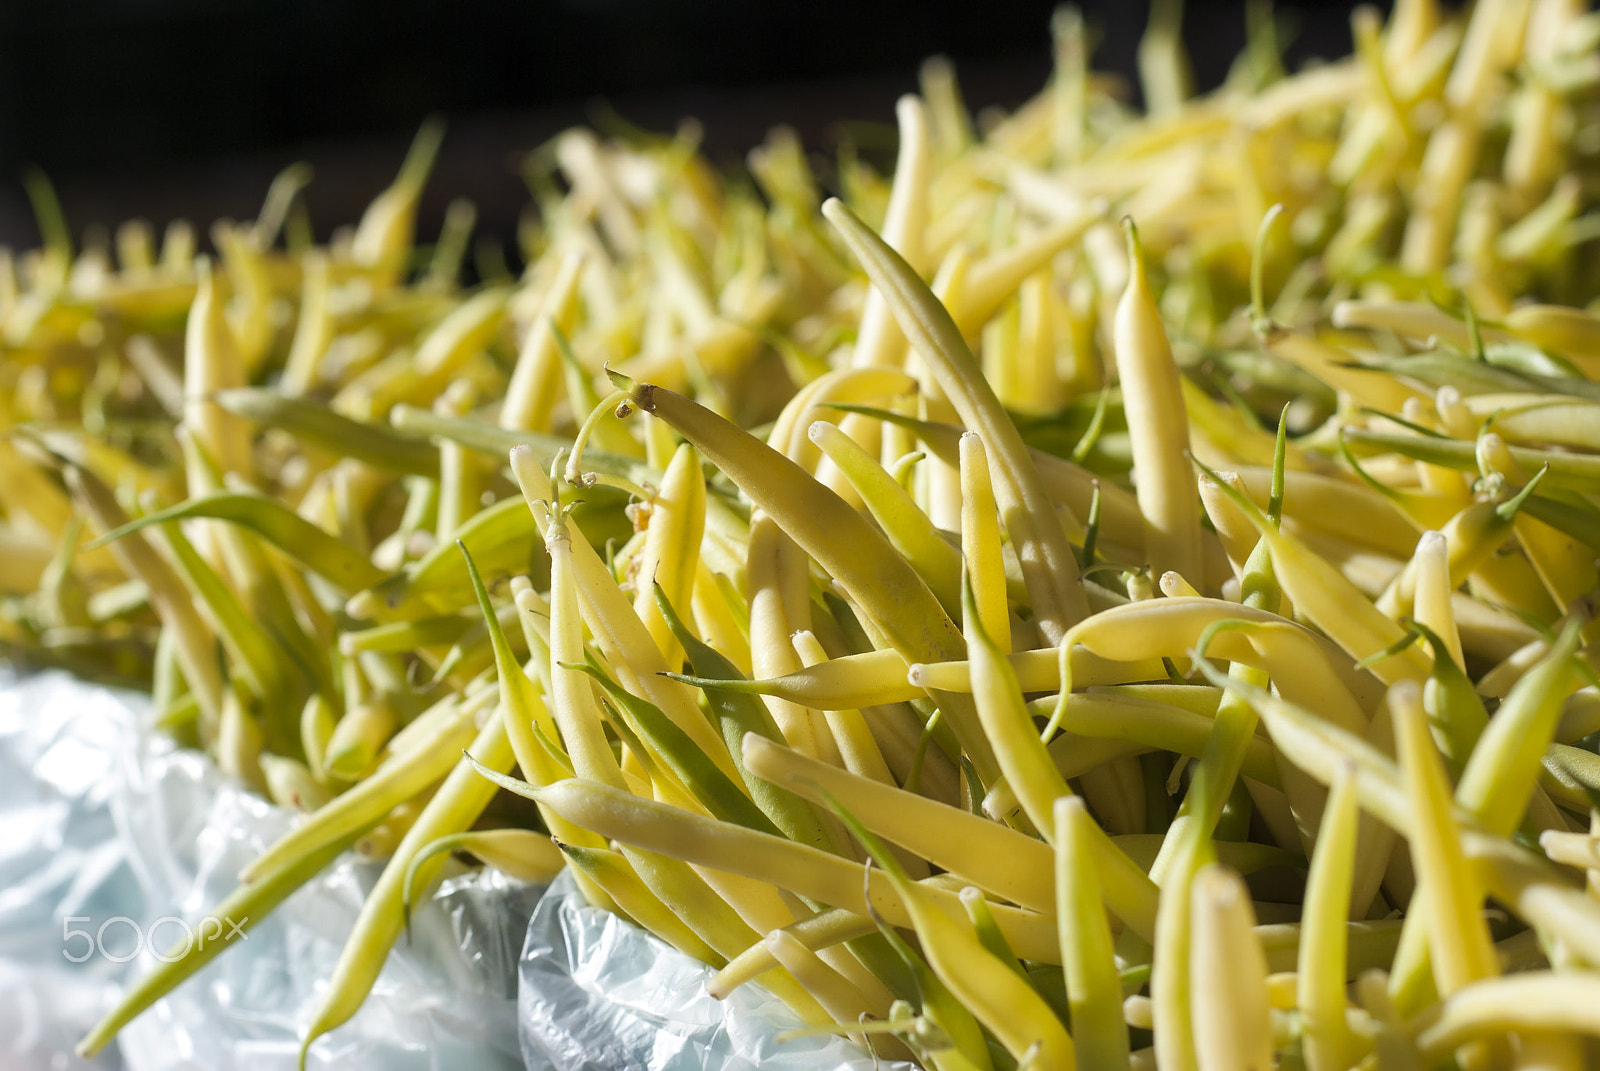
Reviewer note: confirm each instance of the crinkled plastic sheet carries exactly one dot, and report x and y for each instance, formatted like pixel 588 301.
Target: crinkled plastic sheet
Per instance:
pixel 599 994
pixel 101 819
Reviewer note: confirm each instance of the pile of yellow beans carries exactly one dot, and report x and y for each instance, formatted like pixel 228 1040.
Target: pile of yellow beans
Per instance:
pixel 1117 590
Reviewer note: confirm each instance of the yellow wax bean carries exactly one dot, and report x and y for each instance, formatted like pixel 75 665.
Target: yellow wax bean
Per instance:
pixel 1326 1037
pixel 1065 481
pixel 1026 511
pixel 1523 881
pixel 1040 387
pixel 838 996
pixel 1501 772
pixel 1366 217
pixel 159 377
pixel 1491 43
pixel 818 932
pixel 998 998
pixel 1410 24
pixel 1093 990
pixel 627 645
pixel 908 528
pixel 573 704
pixel 195 643
pixel 531 393
pixel 24 561
pixel 1144 725
pixel 1220 429
pixel 1446 166
pixel 461 483
pixel 519 853
pixel 454 807
pixel 1037 670
pixel 1337 506
pixel 444 266
pixel 443 354
pixel 879 340
pixel 1164 71
pixel 1238 536
pixel 873 678
pixel 240 742
pixel 1223 756
pixel 1329 363
pixel 1491 634
pixel 1174 586
pixel 1476 240
pixel 1433 585
pixel 758 903
pixel 1174 625
pixel 807 871
pixel 394 782
pixel 992 281
pixel 851 962
pixel 1580 715
pixel 383 239
pixel 1413 319
pixel 316 729
pixel 1329 601
pixel 462 332
pixel 980 543
pixel 1007 863
pixel 1532 236
pixel 28 493
pixel 718 619
pixel 1153 400
pixel 530 728
pixel 252 293
pixel 612 872
pixel 778 584
pixel 1573 333
pixel 988 933
pixel 317 425
pixel 844 543
pixel 322 553
pixel 671 552
pixel 684 893
pixel 255 655
pixel 1471 537
pixel 1564 564
pixel 1540 419
pixel 583 159
pixel 1571 849
pixel 1392 1042
pixel 136 251
pixel 1022 756
pixel 844 387
pixel 850 731
pixel 1537 1000
pixel 358 738
pixel 211 363
pixel 990 988
pixel 1227 976
pixel 1534 151
pixel 264 598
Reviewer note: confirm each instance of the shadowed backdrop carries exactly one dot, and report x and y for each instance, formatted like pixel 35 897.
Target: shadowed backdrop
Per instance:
pixel 186 108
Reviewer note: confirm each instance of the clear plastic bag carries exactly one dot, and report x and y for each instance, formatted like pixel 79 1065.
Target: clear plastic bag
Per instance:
pixel 599 994
pixel 106 830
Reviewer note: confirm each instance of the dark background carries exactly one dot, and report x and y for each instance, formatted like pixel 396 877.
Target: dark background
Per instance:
pixel 169 108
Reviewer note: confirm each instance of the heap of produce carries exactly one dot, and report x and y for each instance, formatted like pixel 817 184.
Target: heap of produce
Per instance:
pixel 1115 589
